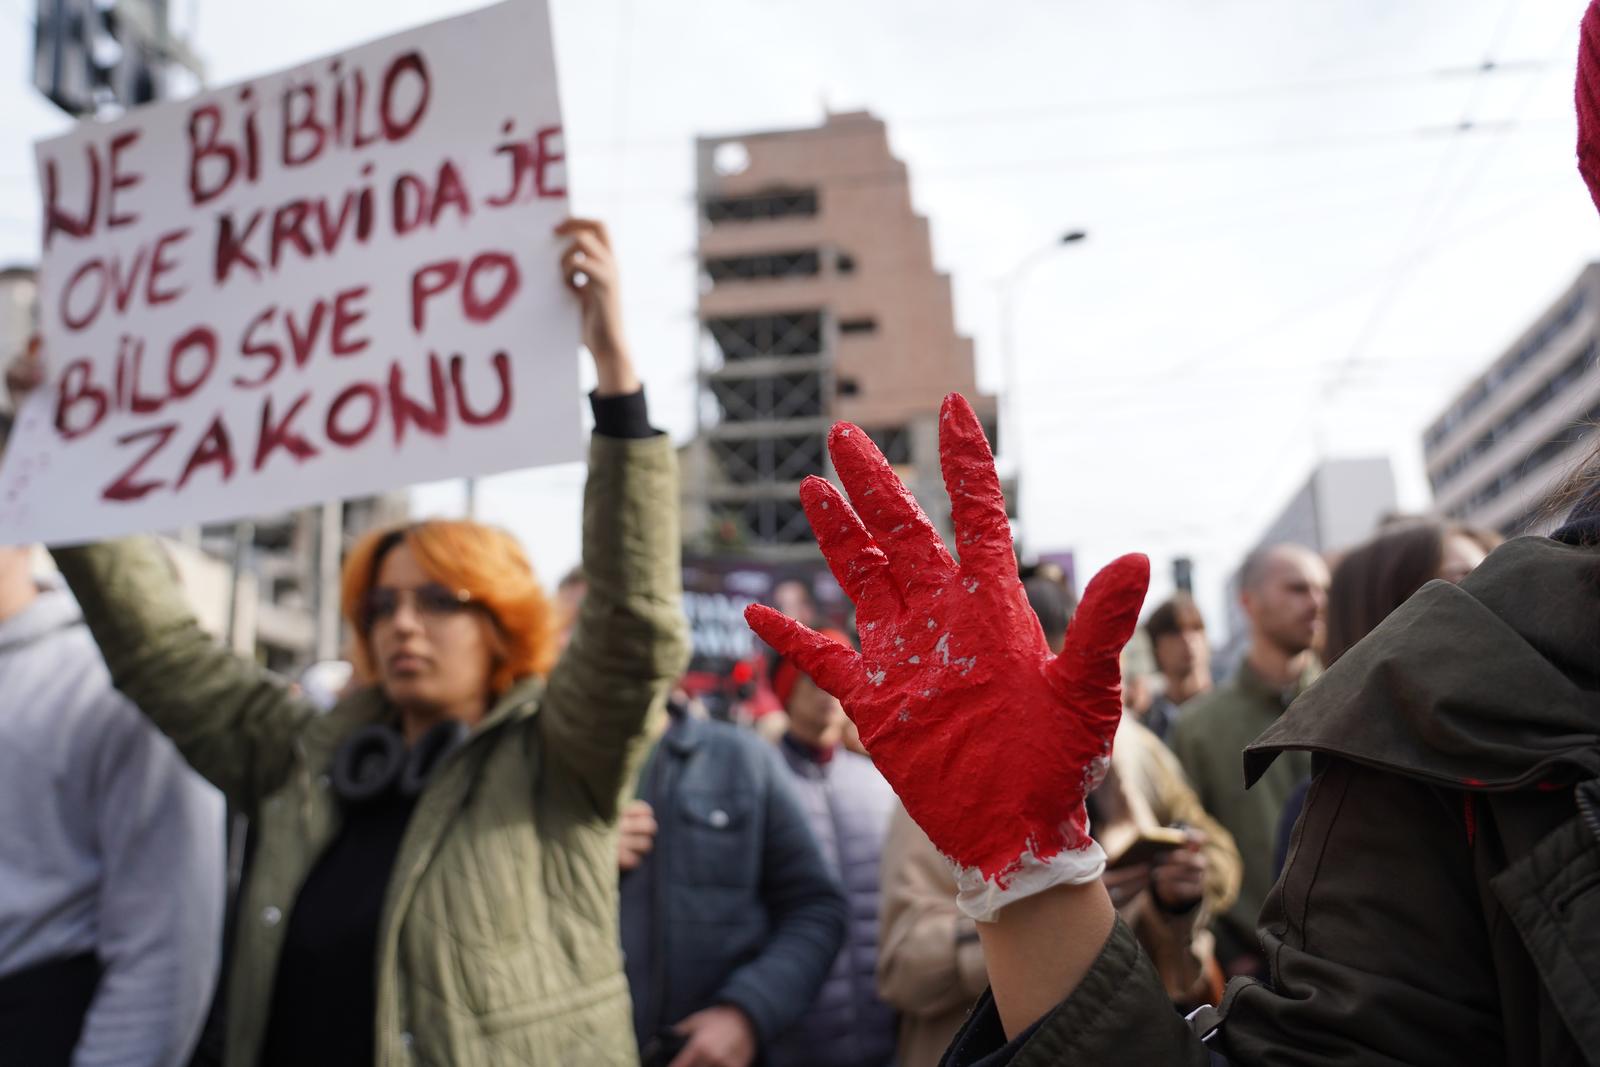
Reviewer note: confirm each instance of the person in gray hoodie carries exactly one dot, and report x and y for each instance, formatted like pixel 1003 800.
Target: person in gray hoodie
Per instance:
pixel 111 854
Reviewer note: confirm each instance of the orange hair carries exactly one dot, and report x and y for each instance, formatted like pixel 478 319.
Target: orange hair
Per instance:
pixel 485 561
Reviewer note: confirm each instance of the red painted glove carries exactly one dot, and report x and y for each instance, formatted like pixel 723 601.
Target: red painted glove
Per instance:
pixel 991 742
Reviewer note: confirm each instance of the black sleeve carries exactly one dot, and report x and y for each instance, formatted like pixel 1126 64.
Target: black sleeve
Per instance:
pixel 1376 938
pixel 626 417
pixel 1119 1014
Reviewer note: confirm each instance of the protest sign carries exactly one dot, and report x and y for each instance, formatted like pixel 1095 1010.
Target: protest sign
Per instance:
pixel 329 281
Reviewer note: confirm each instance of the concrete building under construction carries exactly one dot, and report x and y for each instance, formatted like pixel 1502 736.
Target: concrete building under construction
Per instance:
pixel 819 301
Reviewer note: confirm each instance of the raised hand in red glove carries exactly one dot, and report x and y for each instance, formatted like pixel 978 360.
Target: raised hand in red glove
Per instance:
pixel 991 742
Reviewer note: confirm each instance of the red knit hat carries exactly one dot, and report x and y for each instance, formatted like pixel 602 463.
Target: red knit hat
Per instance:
pixel 786 673
pixel 1588 99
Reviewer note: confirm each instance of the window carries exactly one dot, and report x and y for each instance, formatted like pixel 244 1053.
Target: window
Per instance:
pixel 804 263
pixel 849 387
pixel 781 396
pixel 781 204
pixel 1532 460
pixel 764 460
pixel 865 324
pixel 796 333
pixel 845 264
pixel 278 659
pixel 773 522
pixel 894 442
pixel 1505 370
pixel 991 430
pixel 1552 388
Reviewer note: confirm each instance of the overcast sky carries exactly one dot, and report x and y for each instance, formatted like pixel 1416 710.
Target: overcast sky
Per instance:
pixel 1294 250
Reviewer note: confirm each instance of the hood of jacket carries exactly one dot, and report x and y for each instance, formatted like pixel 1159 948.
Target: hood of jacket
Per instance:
pixel 52 611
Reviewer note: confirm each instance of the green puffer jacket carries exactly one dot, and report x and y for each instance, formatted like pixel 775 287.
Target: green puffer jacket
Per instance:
pixel 498 943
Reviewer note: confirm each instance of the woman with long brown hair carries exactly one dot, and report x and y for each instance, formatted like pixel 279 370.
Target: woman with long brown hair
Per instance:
pixel 1377 576
pixel 1369 582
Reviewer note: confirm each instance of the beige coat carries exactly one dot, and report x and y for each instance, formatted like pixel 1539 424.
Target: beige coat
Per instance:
pixel 930 965
pixel 1146 789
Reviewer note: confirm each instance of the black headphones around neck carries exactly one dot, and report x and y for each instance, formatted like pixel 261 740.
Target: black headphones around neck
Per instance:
pixel 375 759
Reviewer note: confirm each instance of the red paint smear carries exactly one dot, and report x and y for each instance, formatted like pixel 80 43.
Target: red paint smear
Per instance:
pixel 1471 814
pixel 988 739
pixel 1475 782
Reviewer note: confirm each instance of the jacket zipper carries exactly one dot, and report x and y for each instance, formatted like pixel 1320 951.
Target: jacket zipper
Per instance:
pixel 1589 806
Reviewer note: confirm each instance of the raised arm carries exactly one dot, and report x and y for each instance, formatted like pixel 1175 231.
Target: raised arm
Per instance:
pixel 991 742
pixel 630 642
pixel 231 720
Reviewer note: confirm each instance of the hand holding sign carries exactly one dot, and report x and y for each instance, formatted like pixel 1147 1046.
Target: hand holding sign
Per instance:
pixel 991 742
pixel 590 270
pixel 587 264
pixel 329 281
pixel 25 374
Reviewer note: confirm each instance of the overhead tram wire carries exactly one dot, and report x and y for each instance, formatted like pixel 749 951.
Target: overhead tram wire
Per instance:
pixel 1267 93
pixel 1152 157
pixel 1111 405
pixel 1094 108
pixel 1432 212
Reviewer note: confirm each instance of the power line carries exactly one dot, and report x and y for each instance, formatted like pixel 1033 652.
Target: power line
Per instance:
pixel 1182 368
pixel 1005 169
pixel 1115 106
pixel 1422 221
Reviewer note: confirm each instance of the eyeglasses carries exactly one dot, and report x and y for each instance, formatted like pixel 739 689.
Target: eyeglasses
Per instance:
pixel 431 601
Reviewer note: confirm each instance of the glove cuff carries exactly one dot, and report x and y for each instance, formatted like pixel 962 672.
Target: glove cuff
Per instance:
pixel 981 898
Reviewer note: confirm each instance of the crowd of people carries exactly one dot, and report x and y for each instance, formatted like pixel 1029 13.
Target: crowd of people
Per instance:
pixel 432 868
pixel 977 833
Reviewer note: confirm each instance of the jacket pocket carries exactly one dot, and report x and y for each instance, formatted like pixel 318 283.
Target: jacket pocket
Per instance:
pixel 721 838
pixel 1552 895
pixel 596 998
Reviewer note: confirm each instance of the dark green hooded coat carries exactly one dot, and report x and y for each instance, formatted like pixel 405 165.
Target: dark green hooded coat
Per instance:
pixel 1441 902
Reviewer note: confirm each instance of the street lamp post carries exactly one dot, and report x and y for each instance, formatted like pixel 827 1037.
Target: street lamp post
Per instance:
pixel 1011 437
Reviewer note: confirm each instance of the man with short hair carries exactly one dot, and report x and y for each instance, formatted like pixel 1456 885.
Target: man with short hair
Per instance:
pixel 1182 653
pixel 1284 592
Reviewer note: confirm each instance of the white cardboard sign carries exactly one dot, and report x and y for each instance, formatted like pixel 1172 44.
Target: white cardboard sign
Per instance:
pixel 330 281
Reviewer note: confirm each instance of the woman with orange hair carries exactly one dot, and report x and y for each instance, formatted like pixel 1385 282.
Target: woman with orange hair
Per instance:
pixel 434 876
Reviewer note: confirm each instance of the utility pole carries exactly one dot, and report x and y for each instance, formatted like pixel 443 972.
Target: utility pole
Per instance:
pixel 330 547
pixel 92 56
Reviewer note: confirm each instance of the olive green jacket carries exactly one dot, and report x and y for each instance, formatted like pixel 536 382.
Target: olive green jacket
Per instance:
pixel 498 943
pixel 1214 729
